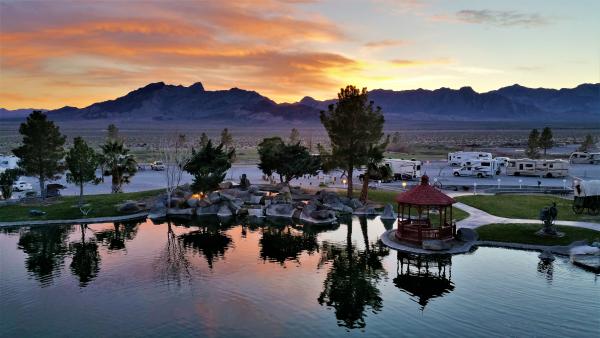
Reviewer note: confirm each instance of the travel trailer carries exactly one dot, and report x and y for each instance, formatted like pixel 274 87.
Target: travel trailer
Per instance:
pixel 540 168
pixel 459 158
pixel 8 162
pixel 480 168
pixel 404 169
pixel 579 157
pixel 501 161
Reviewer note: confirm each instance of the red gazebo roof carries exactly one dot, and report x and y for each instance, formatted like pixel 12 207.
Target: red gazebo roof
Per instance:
pixel 425 195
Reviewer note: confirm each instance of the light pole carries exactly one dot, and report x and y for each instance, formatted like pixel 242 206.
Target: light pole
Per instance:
pixel 564 184
pixel 520 183
pixel 499 183
pixel 474 188
pixel 404 185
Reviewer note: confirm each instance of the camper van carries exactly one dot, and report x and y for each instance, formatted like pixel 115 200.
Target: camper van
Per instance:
pixel 501 161
pixel 459 158
pixel 579 157
pixel 404 169
pixel 480 168
pixel 8 162
pixel 540 168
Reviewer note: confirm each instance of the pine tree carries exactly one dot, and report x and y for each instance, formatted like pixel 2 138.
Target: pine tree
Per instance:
pixel 203 140
pixel 587 144
pixel 533 144
pixel 209 166
pixel 42 148
pixel 353 125
pixel 546 142
pixel 82 162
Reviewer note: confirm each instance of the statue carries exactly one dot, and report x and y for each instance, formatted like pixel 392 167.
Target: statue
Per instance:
pixel 548 216
pixel 244 182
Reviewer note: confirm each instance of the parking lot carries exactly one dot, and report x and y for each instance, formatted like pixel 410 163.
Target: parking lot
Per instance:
pixel 438 171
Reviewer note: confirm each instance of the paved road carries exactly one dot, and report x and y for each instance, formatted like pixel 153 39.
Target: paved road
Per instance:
pixel 148 179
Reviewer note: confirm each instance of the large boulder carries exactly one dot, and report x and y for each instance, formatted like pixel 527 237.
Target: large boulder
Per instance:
pixel 256 212
pixel 175 202
pixel 388 212
pixel 224 211
pixel 466 235
pixel 329 197
pixel 128 207
pixel 339 207
pixel 159 210
pixel 435 245
pixel 203 203
pixel 354 203
pixel 255 199
pixel 192 202
pixel 180 213
pixel 208 210
pixel 280 210
pixel 225 185
pixel 365 210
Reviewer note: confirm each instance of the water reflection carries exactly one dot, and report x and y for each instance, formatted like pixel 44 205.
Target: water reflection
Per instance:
pixel 115 238
pixel 86 259
pixel 210 240
pixel 173 264
pixel 46 249
pixel 424 277
pixel 351 285
pixel 280 244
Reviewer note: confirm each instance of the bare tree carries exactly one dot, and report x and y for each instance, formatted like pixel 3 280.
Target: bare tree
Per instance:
pixel 175 154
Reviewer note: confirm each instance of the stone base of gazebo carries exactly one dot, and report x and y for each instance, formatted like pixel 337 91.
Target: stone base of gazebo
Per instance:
pixel 453 246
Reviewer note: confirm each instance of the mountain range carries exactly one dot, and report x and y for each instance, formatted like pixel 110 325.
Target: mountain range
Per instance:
pixel 159 101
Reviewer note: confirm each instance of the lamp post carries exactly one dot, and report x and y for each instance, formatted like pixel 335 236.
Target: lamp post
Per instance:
pixel 404 185
pixel 520 183
pixel 564 184
pixel 474 188
pixel 499 183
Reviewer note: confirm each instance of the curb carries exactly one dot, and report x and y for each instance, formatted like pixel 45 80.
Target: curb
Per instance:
pixel 77 221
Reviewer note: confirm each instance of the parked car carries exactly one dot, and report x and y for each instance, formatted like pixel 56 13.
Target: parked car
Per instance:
pixel 22 186
pixel 157 165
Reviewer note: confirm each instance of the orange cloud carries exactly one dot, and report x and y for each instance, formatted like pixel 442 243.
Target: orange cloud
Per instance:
pixel 419 63
pixel 385 43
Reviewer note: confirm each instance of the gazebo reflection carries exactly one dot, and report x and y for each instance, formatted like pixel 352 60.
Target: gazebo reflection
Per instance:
pixel 424 277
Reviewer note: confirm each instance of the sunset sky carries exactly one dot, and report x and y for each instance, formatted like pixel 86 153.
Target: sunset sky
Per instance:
pixel 57 53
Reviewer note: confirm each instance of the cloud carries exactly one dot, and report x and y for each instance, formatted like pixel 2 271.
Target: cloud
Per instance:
pixel 76 49
pixel 419 63
pixel 385 43
pixel 495 18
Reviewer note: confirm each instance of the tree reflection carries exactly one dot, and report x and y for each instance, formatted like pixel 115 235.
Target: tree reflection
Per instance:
pixel 279 244
pixel 46 248
pixel 209 241
pixel 115 238
pixel 173 263
pixel 424 277
pixel 86 259
pixel 351 283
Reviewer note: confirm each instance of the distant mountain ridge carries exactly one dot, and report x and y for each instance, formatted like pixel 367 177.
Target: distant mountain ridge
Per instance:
pixel 159 101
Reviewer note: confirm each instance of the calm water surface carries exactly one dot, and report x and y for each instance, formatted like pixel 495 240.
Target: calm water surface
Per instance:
pixel 211 279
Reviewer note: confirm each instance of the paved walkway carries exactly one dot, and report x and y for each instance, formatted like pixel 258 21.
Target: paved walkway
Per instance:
pixel 478 218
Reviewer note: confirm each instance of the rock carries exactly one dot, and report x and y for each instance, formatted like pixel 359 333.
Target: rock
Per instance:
pixel 546 255
pixel 159 210
pixel 366 210
pixel 466 235
pixel 202 203
pixel 224 211
pixel 254 199
pixel 339 207
pixel 280 210
pixel 578 243
pixel 185 213
pixel 36 212
pixel 435 245
pixel 329 197
pixel 256 212
pixel 128 207
pixel 355 203
pixel 311 214
pixel 208 210
pixel 225 185
pixel 584 250
pixel 175 202
pixel 388 212
pixel 214 197
pixel 253 189
pixel 192 202
pixel 596 244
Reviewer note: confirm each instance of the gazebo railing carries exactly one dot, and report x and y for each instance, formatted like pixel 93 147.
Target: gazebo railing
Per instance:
pixel 417 232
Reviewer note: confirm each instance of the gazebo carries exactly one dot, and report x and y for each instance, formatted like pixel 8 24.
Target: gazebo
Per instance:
pixel 422 199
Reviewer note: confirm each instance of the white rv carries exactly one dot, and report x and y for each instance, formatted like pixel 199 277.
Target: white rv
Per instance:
pixel 459 158
pixel 480 168
pixel 501 161
pixel 579 157
pixel 404 169
pixel 540 168
pixel 8 162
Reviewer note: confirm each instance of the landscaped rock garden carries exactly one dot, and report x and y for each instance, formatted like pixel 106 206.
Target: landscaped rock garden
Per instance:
pixel 259 202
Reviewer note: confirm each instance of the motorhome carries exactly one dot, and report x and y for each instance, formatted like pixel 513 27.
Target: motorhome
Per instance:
pixel 404 169
pixel 580 157
pixel 501 161
pixel 540 168
pixel 479 168
pixel 459 158
pixel 8 162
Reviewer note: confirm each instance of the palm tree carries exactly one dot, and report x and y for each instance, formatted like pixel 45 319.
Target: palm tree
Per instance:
pixel 121 164
pixel 373 169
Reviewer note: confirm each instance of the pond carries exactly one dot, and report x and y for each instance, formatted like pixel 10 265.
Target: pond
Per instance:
pixel 211 279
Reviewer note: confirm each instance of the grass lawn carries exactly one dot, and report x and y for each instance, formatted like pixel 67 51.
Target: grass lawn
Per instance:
pixel 66 207
pixel 524 206
pixel 525 233
pixel 386 196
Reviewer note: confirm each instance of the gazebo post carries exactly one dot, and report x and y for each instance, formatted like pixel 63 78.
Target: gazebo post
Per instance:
pixel 441 224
